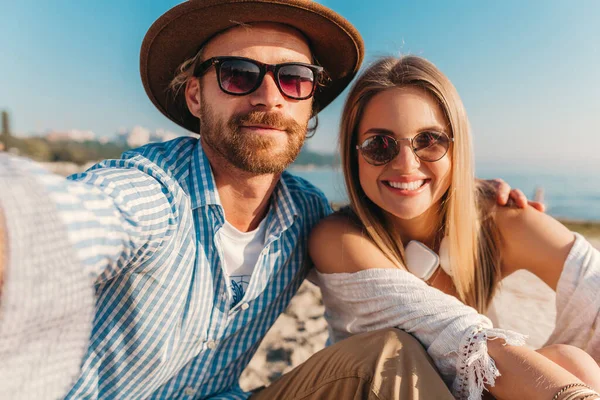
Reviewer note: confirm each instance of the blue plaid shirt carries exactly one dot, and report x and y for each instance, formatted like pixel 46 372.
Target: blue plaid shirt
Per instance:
pixel 165 324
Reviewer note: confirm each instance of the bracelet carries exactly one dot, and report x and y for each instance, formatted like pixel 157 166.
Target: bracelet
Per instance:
pixel 583 392
pixel 567 387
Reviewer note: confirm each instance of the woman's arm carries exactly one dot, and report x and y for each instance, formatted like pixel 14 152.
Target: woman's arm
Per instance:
pixel 526 374
pixel 533 241
pixel 337 245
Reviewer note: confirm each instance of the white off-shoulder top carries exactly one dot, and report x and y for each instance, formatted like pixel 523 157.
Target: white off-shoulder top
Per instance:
pixel 454 334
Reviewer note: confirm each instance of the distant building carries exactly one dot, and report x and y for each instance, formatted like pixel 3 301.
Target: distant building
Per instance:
pixel 140 136
pixel 162 135
pixel 137 137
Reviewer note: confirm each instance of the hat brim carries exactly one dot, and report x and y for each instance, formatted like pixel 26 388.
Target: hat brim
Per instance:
pixel 178 34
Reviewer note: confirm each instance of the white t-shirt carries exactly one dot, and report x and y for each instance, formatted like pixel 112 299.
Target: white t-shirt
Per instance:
pixel 241 251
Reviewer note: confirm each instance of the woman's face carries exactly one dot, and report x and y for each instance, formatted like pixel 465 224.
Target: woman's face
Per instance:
pixel 406 187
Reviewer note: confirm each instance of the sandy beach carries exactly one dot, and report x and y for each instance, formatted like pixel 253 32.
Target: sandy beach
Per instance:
pixel 524 303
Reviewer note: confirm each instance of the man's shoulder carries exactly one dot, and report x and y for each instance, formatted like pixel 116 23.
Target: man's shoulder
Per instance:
pixel 170 156
pixel 301 187
pixel 305 194
pixel 155 166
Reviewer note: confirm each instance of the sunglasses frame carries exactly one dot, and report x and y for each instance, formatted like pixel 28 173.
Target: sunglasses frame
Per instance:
pixel 360 148
pixel 263 68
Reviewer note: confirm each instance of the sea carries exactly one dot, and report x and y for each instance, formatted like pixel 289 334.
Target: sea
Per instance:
pixel 573 195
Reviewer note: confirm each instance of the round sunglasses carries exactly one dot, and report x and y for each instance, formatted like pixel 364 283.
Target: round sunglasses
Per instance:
pixel 380 149
pixel 240 76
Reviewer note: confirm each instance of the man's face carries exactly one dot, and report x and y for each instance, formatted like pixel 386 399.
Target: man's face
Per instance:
pixel 261 132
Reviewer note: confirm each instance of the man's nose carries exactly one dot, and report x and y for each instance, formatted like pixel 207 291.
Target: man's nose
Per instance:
pixel 268 94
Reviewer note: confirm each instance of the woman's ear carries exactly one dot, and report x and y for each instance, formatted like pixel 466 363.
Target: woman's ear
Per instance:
pixel 192 96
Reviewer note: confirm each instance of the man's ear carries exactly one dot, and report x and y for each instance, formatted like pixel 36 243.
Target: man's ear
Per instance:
pixel 192 96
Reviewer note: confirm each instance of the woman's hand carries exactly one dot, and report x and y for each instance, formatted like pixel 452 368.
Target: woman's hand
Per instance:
pixel 504 193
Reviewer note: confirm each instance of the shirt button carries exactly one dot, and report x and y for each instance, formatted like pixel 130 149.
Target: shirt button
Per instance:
pixel 189 391
pixel 245 306
pixel 211 345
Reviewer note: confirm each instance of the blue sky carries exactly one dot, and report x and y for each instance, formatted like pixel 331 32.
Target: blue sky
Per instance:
pixel 528 72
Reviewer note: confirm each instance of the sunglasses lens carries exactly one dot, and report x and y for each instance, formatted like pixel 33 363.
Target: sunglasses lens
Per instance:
pixel 296 81
pixel 379 149
pixel 238 76
pixel 431 146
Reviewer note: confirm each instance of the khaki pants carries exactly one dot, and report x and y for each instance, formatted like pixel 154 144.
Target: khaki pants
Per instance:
pixel 381 365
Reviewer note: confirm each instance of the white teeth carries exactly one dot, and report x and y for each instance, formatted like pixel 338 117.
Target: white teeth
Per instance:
pixel 414 185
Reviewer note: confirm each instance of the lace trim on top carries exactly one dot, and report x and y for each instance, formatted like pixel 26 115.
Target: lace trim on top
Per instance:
pixel 474 367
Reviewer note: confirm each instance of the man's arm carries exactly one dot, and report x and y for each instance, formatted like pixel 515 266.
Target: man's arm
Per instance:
pixel 2 252
pixel 118 214
pixel 47 303
pixel 61 237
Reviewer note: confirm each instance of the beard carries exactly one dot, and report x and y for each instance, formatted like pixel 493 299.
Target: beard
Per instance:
pixel 254 153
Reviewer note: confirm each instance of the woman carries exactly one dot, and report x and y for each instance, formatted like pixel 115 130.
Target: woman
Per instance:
pixel 407 160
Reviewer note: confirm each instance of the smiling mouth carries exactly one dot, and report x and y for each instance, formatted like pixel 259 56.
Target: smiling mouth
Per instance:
pixel 408 186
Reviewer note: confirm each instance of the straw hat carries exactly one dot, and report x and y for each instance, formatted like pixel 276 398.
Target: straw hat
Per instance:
pixel 179 33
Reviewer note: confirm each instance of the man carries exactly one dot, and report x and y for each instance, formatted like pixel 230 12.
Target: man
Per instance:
pixel 193 247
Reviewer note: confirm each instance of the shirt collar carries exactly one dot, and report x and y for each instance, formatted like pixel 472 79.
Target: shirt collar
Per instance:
pixel 203 192
pixel 203 189
pixel 283 208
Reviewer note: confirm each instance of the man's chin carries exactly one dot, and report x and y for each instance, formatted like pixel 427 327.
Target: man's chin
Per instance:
pixel 271 165
pixel 262 169
pixel 278 143
pixel 266 161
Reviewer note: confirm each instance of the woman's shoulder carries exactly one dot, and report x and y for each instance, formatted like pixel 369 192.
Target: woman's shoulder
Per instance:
pixel 340 222
pixel 339 243
pixel 331 234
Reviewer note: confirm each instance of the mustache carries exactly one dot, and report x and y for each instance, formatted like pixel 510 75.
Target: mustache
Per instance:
pixel 275 120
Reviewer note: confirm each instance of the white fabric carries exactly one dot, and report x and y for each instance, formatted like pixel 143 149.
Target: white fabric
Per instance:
pixel 241 251
pixel 578 300
pixel 454 334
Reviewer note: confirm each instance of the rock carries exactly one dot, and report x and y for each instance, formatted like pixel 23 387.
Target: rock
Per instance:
pixel 296 335
pixel 279 354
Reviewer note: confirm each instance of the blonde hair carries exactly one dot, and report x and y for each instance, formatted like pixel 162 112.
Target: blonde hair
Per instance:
pixel 473 253
pixel 183 74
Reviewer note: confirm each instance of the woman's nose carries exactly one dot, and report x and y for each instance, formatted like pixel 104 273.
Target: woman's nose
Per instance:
pixel 406 160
